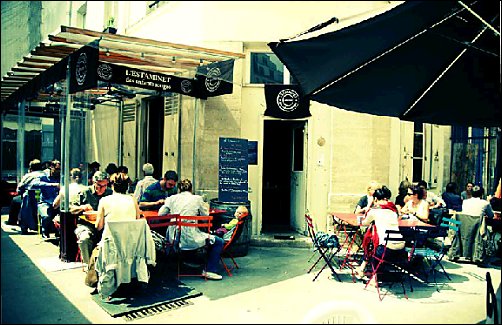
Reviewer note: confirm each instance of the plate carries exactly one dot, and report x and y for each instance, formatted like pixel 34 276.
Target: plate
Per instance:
pixel 91 215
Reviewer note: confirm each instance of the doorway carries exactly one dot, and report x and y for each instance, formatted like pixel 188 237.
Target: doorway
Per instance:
pixel 283 201
pixel 155 135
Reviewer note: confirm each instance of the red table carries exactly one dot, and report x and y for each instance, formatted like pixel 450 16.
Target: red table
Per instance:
pixel 348 224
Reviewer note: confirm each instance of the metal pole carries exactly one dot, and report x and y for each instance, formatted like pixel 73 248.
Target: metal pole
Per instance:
pixel 178 165
pixel 194 156
pixel 121 126
pixel 20 139
pixel 65 134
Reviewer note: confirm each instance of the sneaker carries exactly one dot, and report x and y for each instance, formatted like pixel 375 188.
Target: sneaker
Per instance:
pixel 211 275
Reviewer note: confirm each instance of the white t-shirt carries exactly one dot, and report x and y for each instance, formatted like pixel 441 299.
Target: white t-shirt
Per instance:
pixel 476 206
pixel 385 219
pixel 118 207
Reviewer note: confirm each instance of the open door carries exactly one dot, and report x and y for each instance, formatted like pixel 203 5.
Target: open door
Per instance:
pixel 283 200
pixel 155 135
pixel 298 192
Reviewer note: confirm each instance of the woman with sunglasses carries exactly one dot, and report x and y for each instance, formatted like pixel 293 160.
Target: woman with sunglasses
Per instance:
pixel 417 206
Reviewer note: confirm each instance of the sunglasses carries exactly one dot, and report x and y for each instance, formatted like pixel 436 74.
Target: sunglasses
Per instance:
pixel 409 193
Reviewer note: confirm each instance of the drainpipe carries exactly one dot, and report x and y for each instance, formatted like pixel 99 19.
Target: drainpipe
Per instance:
pixel 70 5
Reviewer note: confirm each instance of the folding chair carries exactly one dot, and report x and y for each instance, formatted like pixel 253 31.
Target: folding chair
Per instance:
pixel 492 305
pixel 325 253
pixel 351 240
pixel 390 266
pixel 226 253
pixel 183 223
pixel 434 255
pixel 159 225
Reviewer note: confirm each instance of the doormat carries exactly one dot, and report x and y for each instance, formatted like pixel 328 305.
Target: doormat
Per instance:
pixel 135 301
pixel 53 264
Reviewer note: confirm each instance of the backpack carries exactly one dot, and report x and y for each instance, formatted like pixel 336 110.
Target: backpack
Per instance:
pixel 326 240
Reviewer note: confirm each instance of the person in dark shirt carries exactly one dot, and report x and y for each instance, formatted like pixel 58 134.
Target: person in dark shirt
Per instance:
pixel 86 232
pixel 451 198
pixel 48 185
pixel 154 196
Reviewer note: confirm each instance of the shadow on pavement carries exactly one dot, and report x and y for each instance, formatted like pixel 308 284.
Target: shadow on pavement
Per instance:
pixel 262 266
pixel 27 295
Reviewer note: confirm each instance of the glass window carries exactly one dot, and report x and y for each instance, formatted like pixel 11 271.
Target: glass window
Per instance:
pixel 266 69
pixel 418 151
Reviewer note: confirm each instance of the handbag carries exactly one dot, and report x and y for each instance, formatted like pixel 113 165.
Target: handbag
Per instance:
pixel 91 277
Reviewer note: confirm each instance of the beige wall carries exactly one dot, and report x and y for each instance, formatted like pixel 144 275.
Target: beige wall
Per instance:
pixel 358 147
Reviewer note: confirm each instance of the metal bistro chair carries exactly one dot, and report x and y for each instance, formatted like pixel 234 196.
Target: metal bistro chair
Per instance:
pixel 226 252
pixel 204 223
pixel 390 270
pixel 326 253
pixel 433 256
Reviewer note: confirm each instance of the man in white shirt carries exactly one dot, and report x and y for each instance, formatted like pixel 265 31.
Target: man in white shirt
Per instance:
pixel 145 182
pixel 476 206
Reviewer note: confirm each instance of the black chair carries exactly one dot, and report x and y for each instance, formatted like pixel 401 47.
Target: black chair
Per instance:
pixel 391 267
pixel 492 305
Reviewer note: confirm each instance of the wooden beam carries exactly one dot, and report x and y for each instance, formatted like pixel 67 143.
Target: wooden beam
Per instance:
pixel 31 65
pixel 201 50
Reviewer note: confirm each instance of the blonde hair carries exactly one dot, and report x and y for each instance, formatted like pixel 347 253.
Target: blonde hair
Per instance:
pixel 373 185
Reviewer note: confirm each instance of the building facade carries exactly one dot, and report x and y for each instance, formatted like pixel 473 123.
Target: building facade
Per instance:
pixel 318 164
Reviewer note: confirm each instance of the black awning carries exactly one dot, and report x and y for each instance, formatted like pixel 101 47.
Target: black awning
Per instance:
pixel 389 65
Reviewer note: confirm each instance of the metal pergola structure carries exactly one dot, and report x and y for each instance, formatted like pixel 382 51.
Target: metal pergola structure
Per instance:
pixel 133 52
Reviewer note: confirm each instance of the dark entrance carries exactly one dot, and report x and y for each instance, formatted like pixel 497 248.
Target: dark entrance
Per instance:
pixel 277 167
pixel 155 136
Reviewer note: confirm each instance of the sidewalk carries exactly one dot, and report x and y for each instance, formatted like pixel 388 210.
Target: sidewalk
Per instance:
pixel 270 287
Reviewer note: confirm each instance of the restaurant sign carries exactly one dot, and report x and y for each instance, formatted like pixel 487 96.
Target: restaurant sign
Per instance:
pixel 146 79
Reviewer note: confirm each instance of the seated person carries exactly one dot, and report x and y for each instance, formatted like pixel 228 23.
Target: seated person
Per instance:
pixel 416 207
pixel 385 218
pixel 402 197
pixel 87 235
pixel 27 198
pixel 227 229
pixel 145 182
pixel 476 205
pixel 451 198
pixel 434 200
pixel 467 193
pixel 366 201
pixel 74 189
pixel 155 194
pixel 119 206
pixel 49 189
pixel 187 204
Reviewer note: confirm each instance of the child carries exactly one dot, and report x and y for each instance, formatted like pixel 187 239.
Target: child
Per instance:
pixel 227 229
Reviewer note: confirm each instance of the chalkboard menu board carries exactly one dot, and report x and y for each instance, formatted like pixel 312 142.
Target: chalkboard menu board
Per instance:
pixel 233 170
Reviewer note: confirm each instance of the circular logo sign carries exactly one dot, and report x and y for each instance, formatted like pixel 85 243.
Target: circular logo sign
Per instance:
pixel 81 69
pixel 212 83
pixel 105 71
pixel 288 100
pixel 186 86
